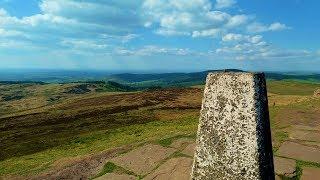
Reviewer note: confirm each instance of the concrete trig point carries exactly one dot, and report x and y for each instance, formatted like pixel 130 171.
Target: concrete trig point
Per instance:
pixel 234 139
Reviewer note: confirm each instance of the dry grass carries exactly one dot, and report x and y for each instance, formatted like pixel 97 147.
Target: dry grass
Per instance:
pixel 39 135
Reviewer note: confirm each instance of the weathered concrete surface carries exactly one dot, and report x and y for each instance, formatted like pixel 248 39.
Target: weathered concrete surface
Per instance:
pixel 234 139
pixel 182 143
pixel 189 150
pixel 285 166
pixel 113 176
pixel 298 151
pixel 305 135
pixel 309 173
pixel 143 159
pixel 173 169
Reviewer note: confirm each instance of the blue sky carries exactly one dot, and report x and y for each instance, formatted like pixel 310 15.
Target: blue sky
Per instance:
pixel 166 35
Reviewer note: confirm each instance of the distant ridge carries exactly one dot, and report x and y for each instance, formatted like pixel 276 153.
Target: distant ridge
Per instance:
pixel 22 82
pixel 195 78
pixel 135 79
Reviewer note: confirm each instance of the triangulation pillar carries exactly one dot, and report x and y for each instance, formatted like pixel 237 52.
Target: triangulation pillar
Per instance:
pixel 234 139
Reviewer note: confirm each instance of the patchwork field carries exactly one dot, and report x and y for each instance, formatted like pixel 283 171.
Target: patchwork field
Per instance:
pixel 103 131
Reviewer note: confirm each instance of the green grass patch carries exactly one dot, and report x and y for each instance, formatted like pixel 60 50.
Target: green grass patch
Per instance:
pixel 166 142
pixel 88 136
pixel 179 154
pixel 281 136
pixel 298 172
pixel 301 163
pixel 291 87
pixel 109 167
pixel 273 111
pixel 98 141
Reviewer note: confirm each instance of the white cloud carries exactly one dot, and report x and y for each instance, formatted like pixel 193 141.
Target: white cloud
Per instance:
pixel 193 17
pixel 278 27
pixel 159 6
pixel 180 17
pixel 242 49
pixel 220 4
pixel 120 13
pixel 236 38
pixel 237 20
pixel 10 33
pixel 256 49
pixel 246 47
pixel 255 39
pixel 3 12
pixel 206 33
pixel 129 37
pixel 72 24
pixel 168 32
pixel 232 37
pixel 258 27
pixel 104 26
pixel 83 44
pixel 154 50
pixel 253 47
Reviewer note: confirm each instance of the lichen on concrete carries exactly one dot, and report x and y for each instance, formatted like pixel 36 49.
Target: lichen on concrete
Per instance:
pixel 234 139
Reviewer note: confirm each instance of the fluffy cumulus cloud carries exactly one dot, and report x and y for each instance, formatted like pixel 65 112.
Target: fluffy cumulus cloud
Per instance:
pixel 200 18
pixel 10 33
pixel 231 37
pixel 196 18
pixel 246 47
pixel 85 19
pixel 73 24
pixel 110 27
pixel 119 15
pixel 258 27
pixel 206 33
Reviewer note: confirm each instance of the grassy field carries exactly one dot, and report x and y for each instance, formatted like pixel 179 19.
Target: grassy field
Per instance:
pixel 49 126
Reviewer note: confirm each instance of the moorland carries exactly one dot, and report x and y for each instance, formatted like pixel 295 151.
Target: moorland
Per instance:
pixel 67 127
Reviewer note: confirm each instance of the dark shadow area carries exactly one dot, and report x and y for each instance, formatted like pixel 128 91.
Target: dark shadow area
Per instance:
pixel 266 166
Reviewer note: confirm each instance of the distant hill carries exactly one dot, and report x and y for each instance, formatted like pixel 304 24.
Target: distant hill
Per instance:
pixel 21 82
pixel 164 79
pixel 196 78
pixel 98 86
pixel 134 80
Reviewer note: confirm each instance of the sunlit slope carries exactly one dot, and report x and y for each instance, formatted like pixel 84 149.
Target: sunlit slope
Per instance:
pixel 51 135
